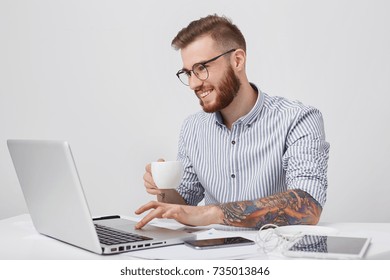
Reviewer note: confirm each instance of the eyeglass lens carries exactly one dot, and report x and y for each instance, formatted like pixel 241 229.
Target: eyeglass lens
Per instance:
pixel 198 69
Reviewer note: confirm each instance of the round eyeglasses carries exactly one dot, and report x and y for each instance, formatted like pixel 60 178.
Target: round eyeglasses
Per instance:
pixel 199 69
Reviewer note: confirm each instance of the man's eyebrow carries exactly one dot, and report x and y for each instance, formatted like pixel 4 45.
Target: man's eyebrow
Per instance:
pixel 204 61
pixel 200 62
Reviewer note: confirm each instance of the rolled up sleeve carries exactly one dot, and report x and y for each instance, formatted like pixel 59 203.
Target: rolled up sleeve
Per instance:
pixel 305 160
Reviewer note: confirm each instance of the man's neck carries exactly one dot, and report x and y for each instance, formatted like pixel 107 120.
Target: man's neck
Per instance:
pixel 240 106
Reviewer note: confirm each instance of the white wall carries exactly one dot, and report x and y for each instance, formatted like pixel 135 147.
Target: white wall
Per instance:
pixel 100 74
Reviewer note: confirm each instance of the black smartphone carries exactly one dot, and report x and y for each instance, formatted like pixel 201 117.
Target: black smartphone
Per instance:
pixel 219 242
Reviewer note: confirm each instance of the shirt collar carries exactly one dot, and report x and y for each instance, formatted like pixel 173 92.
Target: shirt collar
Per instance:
pixel 249 118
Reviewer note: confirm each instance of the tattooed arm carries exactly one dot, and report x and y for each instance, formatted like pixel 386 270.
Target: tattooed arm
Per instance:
pixel 287 208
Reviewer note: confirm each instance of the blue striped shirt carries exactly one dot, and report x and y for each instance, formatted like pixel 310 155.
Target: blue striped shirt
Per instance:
pixel 278 145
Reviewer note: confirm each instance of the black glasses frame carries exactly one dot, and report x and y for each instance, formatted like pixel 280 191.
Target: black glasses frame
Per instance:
pixel 203 63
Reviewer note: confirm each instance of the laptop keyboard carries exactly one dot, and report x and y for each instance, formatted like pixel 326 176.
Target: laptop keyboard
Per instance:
pixel 110 236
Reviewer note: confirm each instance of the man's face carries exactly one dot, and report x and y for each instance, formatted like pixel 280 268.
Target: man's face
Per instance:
pixel 222 85
pixel 225 92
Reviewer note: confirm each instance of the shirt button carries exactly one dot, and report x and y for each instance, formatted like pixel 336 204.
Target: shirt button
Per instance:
pixel 233 142
pixel 233 176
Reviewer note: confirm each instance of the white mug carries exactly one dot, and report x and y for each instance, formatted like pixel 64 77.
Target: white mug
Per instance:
pixel 167 174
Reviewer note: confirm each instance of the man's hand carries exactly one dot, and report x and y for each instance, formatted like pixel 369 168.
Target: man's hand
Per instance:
pixel 149 183
pixel 188 215
pixel 167 195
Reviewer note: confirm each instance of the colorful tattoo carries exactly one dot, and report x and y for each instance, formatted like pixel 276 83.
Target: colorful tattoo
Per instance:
pixel 288 208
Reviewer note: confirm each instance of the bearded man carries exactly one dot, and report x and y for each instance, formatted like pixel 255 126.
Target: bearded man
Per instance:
pixel 253 158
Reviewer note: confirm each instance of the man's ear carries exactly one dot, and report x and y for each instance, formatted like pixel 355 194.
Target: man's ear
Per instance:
pixel 238 60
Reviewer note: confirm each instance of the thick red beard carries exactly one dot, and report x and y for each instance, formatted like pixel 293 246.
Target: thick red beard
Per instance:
pixel 225 93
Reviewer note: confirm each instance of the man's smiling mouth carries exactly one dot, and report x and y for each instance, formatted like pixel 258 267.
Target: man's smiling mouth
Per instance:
pixel 203 94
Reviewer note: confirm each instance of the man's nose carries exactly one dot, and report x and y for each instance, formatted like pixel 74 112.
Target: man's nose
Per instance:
pixel 194 82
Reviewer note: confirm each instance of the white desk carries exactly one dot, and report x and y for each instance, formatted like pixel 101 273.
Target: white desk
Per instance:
pixel 20 240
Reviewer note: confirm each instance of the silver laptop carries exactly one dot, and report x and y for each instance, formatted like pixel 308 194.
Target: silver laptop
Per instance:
pixel 55 198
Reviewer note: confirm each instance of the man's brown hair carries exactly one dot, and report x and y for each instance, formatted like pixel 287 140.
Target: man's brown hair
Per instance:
pixel 220 28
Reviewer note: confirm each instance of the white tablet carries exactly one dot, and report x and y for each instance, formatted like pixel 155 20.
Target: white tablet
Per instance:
pixel 328 247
